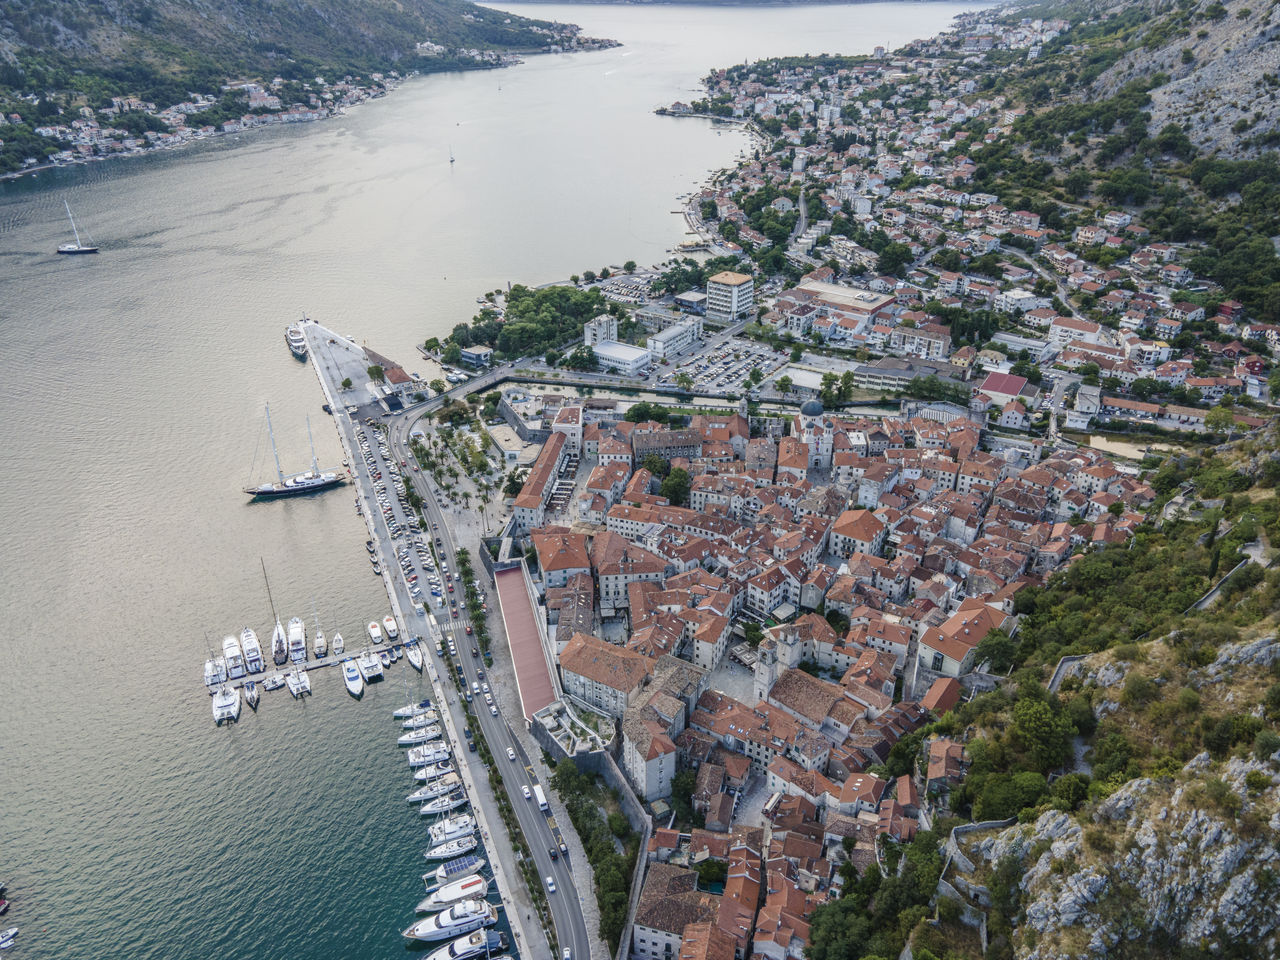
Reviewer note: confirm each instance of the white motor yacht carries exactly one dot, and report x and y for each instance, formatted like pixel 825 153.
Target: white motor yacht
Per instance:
pixel 339 645
pixel 460 826
pixel 370 666
pixel 253 661
pixel 297 640
pixel 389 625
pixel 414 655
pixel 482 943
pixel 472 887
pixel 232 654
pixel 451 848
pixel 226 704
pixel 462 917
pixel 352 678
pixel 375 633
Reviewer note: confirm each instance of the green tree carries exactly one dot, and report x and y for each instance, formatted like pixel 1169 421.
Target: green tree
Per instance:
pixel 346 383
pixel 656 465
pixel 753 633
pixel 755 376
pixel 629 266
pixel 684 381
pixel 1220 420
pixel 1043 736
pixel 452 354
pixel 376 373
pixel 438 385
pixel 676 487
pixel 783 383
pixel 432 345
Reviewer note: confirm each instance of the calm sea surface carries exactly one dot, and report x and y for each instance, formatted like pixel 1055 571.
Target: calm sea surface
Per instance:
pixel 133 385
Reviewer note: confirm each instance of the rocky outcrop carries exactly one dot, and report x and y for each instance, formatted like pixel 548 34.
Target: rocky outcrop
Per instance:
pixel 1155 855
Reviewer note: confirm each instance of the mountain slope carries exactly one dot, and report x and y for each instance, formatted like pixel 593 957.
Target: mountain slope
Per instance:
pixel 50 44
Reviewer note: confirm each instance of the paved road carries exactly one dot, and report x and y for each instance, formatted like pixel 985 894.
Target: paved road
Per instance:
pixel 540 829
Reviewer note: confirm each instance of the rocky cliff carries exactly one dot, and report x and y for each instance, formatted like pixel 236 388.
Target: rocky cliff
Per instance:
pixel 1176 865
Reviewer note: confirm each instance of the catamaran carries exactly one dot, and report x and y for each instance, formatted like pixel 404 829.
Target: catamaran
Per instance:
pixel 299 682
pixel 287 486
pixel 77 247
pixel 370 666
pixel 226 704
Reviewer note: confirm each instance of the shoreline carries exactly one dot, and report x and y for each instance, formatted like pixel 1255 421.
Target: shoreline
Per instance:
pixel 340 111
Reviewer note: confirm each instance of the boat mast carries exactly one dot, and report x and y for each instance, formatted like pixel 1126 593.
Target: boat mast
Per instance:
pixel 315 467
pixel 73 221
pixel 274 452
pixel 269 598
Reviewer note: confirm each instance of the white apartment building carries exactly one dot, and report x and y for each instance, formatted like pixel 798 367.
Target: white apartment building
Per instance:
pixel 730 296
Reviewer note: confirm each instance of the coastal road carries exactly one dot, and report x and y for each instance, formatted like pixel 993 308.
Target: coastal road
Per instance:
pixel 540 829
pixel 397 547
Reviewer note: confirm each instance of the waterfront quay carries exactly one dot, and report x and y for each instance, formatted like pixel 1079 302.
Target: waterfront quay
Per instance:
pixel 337 358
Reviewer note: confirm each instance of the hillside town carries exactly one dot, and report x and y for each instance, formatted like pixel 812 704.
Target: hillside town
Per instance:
pixel 804 594
pixel 866 187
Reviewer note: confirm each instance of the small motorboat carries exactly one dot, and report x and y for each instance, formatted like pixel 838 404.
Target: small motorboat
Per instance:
pixel 339 645
pixel 7 938
pixel 252 694
pixel 273 682
pixel 4 906
pixel 385 658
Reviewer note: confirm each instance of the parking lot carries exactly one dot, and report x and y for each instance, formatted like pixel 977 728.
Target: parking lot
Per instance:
pixel 724 368
pixel 627 288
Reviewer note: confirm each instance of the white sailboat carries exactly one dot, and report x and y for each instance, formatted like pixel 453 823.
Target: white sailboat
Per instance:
pixel 339 645
pixel 320 646
pixel 77 247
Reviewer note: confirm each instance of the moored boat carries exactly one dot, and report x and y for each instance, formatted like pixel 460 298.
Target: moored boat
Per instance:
pixel 421 735
pixel 471 887
pixel 252 694
pixel 370 666
pixel 411 710
pixel 226 704
pixel 299 682
pixel 428 753
pixel 352 678
pixel 279 645
pixel 215 672
pixel 414 655
pixel 452 870
pixel 389 625
pixel 296 340
pixel 463 917
pixel 273 682
pixel 450 829
pixel 253 661
pixel 482 943
pixel 448 783
pixel 424 719
pixel 446 804
pixel 339 645
pixel 375 633
pixel 297 640
pixel 234 658
pixel 431 771
pixel 451 848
